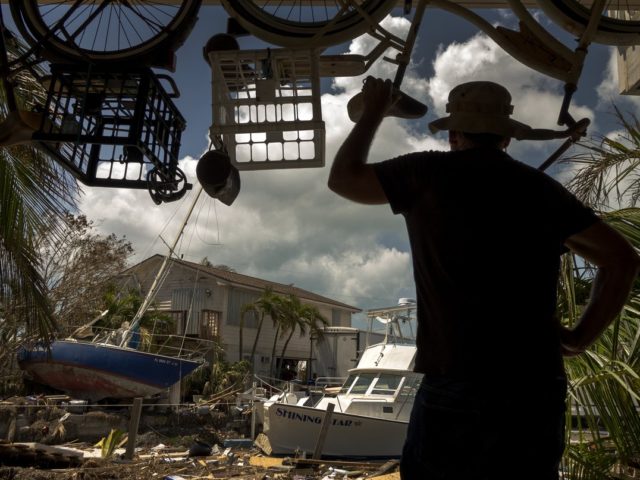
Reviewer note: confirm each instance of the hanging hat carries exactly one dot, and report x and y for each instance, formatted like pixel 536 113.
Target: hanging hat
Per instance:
pixel 481 107
pixel 218 176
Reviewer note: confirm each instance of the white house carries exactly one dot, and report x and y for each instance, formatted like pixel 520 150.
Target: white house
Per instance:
pixel 206 302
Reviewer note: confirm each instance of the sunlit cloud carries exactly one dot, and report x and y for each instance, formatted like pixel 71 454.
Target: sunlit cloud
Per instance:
pixel 286 226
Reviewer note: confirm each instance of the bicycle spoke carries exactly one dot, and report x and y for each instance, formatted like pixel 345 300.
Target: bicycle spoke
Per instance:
pixel 309 11
pixel 315 21
pixel 129 27
pixel 109 25
pixel 107 29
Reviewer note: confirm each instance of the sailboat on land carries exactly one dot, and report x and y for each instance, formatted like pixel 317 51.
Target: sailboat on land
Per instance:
pixel 94 364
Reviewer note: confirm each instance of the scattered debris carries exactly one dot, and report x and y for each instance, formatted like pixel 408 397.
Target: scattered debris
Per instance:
pixel 171 445
pixel 36 461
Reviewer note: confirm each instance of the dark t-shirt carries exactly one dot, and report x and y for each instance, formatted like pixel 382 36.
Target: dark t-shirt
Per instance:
pixel 486 234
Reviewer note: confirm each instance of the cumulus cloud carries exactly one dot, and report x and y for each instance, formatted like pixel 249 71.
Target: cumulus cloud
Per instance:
pixel 536 97
pixel 286 226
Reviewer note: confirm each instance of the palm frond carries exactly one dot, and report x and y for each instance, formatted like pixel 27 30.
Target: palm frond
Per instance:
pixel 607 168
pixel 33 191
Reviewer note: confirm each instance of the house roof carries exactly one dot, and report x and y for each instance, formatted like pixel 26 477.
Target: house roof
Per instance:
pixel 238 279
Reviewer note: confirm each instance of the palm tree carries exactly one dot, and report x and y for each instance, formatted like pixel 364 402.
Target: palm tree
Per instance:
pixel 33 189
pixel 293 319
pixel 605 381
pixel 243 312
pixel 269 304
pixel 279 322
pixel 607 168
pixel 316 323
pixel 301 317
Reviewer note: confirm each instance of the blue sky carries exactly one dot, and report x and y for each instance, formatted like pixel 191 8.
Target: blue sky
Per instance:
pixel 286 226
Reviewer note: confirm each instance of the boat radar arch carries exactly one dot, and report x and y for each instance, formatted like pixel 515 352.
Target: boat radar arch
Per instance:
pixel 403 302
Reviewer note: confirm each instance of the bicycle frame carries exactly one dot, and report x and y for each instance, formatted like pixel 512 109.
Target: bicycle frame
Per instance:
pixel 532 45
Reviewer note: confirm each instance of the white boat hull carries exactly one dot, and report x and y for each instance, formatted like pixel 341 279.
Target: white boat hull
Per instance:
pixel 292 428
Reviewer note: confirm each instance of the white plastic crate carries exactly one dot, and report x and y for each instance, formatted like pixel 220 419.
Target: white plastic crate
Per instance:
pixel 266 107
pixel 628 60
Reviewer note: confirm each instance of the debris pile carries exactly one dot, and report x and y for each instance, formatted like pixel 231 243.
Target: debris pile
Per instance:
pixel 196 442
pixel 84 462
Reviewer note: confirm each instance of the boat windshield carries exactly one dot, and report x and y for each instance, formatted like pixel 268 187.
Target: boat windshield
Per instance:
pixel 347 383
pixel 362 383
pixel 374 383
pixel 386 384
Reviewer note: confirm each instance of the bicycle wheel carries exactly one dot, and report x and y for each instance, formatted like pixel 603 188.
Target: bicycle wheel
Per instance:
pixel 619 24
pixel 107 30
pixel 303 23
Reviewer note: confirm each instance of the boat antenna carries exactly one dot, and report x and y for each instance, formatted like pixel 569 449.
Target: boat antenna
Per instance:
pixel 157 281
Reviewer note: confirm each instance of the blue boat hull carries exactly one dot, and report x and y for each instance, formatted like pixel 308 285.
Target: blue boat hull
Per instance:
pixel 96 371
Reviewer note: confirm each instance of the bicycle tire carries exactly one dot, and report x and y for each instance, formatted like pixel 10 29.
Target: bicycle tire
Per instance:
pixel 263 19
pixel 155 26
pixel 573 16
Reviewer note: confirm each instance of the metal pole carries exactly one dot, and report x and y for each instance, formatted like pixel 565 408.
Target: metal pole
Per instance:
pixel 157 282
pixel 253 410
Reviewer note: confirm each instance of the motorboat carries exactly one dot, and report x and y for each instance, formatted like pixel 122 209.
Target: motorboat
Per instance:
pixel 370 413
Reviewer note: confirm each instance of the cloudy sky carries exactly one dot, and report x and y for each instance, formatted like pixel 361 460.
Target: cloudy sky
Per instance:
pixel 286 226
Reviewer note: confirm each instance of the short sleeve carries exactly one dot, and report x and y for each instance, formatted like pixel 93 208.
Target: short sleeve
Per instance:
pixel 402 178
pixel 570 214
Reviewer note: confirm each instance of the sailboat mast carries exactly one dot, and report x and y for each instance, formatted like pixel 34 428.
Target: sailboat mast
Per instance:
pixel 157 281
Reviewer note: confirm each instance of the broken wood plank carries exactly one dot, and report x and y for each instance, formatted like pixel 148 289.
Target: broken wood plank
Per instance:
pixel 346 463
pixel 265 462
pixel 262 442
pixel 386 468
pixel 388 476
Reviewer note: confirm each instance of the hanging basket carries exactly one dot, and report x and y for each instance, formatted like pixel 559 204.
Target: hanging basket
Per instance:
pixel 114 128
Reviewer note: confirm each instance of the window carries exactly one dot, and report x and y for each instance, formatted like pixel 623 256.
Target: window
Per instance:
pixel 209 324
pixel 179 320
pixel 237 300
pixel 410 386
pixel 336 317
pixel 363 383
pixel 347 384
pixel 386 384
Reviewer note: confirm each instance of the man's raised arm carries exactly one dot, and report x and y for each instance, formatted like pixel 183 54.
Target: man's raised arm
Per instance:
pixel 350 175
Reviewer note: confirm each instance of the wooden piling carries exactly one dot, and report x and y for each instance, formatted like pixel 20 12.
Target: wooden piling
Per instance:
pixel 324 429
pixel 134 422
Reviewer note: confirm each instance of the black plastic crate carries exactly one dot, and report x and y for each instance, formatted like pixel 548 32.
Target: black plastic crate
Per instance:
pixel 114 128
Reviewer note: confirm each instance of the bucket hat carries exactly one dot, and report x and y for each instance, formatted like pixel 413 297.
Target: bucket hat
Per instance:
pixel 481 107
pixel 218 176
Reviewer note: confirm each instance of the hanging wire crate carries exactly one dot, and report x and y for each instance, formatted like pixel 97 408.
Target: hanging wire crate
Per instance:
pixel 114 128
pixel 266 108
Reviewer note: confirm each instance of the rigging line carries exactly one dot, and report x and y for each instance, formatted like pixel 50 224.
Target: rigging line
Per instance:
pixel 177 207
pixel 188 240
pixel 190 311
pixel 155 287
pixel 202 237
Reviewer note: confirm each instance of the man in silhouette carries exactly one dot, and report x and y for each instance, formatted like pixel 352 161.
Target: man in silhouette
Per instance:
pixel 486 233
